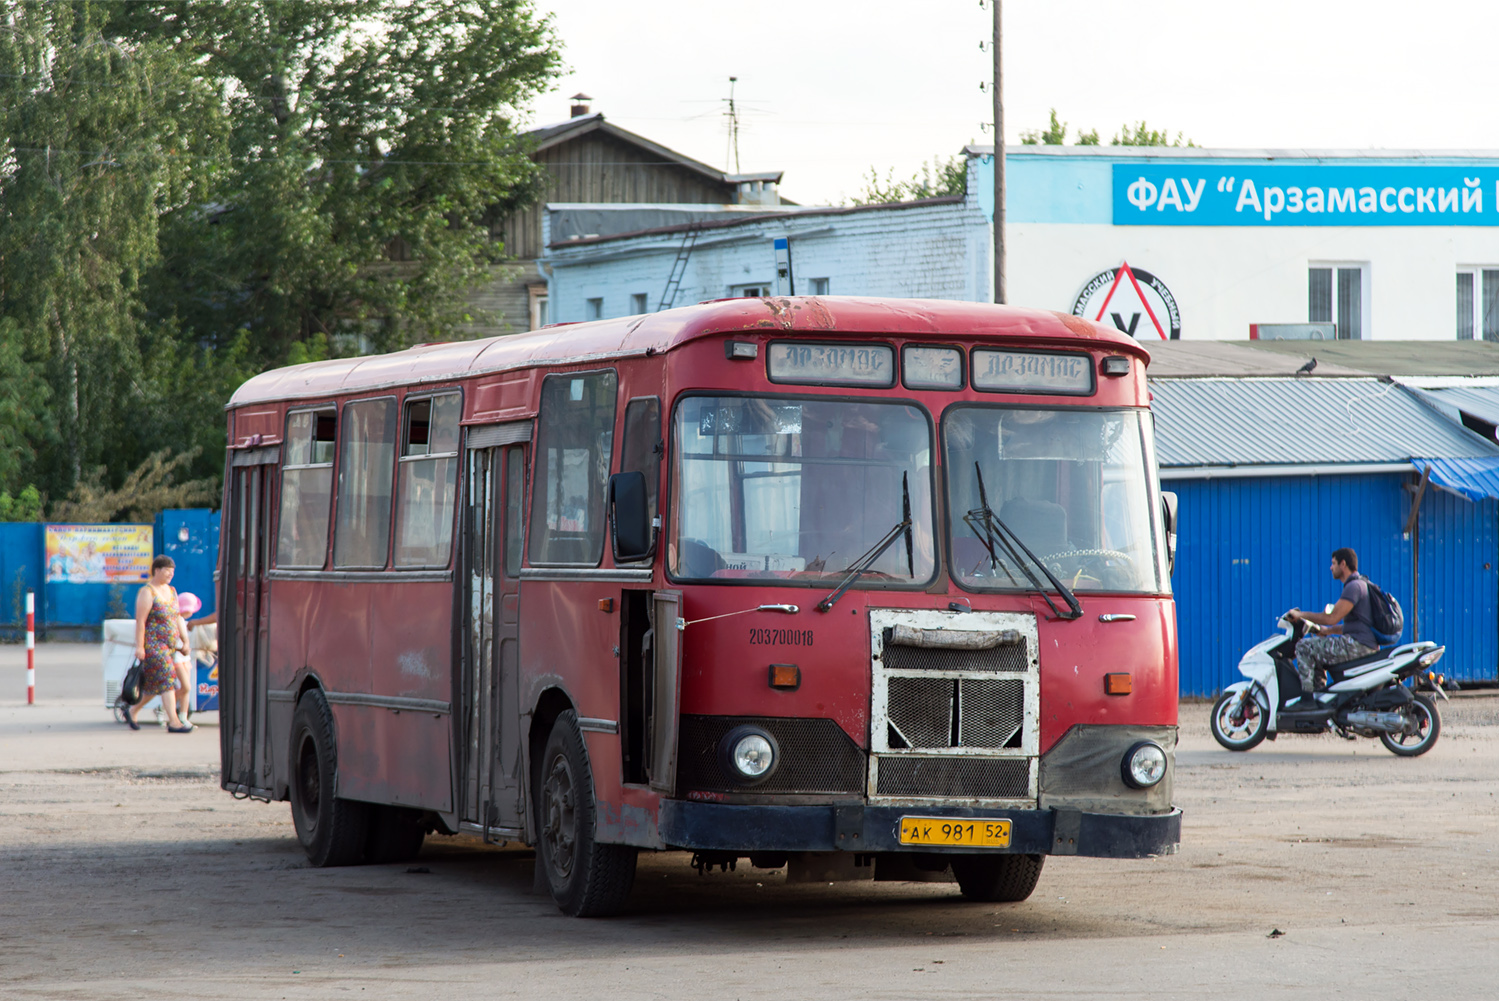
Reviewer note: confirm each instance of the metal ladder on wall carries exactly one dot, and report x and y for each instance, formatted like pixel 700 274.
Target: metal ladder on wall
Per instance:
pixel 678 268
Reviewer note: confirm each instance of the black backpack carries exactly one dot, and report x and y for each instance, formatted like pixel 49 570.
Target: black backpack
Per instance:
pixel 1385 616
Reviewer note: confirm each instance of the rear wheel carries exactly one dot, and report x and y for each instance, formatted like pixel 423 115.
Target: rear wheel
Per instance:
pixel 997 878
pixel 587 879
pixel 1239 722
pixel 332 830
pixel 1421 731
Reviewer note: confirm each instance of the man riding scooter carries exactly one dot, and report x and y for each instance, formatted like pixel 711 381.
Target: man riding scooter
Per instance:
pixel 1346 632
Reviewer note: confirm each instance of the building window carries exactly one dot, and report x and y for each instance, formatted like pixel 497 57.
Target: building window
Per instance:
pixel 1478 304
pixel 595 309
pixel 749 291
pixel 1336 294
pixel 819 286
pixel 429 472
pixel 536 296
pixel 637 303
pixel 365 467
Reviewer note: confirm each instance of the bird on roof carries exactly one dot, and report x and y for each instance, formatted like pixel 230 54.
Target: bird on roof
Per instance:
pixel 1307 368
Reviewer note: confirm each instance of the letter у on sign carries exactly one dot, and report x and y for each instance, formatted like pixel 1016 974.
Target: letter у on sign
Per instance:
pixel 1210 193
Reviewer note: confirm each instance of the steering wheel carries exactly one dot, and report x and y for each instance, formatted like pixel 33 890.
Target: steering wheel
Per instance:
pixel 1094 560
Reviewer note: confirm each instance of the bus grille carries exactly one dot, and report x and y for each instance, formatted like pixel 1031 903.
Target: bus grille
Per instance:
pixel 962 778
pixel 988 713
pixel 816 756
pixel 949 722
pixel 1009 657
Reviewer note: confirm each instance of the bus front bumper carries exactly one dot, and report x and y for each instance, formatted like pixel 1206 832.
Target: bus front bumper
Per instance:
pixel 860 827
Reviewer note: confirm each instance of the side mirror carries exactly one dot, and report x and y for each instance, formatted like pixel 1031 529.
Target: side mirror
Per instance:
pixel 1168 515
pixel 633 537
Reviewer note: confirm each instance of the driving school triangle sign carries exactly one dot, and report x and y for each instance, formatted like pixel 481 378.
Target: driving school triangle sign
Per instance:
pixel 1133 300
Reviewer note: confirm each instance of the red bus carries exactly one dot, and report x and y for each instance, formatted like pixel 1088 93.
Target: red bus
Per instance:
pixel 851 586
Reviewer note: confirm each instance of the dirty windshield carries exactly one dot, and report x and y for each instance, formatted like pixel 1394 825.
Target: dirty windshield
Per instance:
pixel 799 489
pixel 1072 485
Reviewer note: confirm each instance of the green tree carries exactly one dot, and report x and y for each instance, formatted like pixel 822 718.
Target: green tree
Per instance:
pixel 370 145
pixel 1141 134
pixel 87 163
pixel 938 177
pixel 1055 135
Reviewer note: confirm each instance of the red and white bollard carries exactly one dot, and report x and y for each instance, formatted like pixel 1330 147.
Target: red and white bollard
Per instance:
pixel 30 648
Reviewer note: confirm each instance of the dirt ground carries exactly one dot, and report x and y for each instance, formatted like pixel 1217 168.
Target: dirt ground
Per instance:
pixel 1309 867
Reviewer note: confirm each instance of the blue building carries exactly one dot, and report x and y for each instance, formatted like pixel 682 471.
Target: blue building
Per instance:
pixel 1273 471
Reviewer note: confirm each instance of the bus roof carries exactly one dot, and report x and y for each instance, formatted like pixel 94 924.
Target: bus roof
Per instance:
pixel 654 333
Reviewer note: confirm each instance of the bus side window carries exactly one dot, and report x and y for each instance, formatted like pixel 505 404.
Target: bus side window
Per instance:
pixel 306 489
pixel 642 446
pixel 574 448
pixel 426 491
pixel 515 487
pixel 361 534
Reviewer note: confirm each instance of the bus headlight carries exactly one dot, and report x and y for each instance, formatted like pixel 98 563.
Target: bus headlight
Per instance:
pixel 749 754
pixel 1144 765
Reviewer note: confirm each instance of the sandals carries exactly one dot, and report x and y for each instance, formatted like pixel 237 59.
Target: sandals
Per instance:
pixel 129 720
pixel 184 728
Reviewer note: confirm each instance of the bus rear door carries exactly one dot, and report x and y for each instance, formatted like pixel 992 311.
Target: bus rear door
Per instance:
pixel 244 623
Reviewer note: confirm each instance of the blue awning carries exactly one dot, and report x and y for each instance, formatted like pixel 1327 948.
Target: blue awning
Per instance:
pixel 1476 478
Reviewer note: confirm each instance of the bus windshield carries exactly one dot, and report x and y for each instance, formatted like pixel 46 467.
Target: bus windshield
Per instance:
pixel 1071 485
pixel 798 490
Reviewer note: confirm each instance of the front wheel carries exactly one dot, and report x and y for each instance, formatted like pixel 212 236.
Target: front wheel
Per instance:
pixel 1422 727
pixel 1239 722
pixel 587 879
pixel 997 878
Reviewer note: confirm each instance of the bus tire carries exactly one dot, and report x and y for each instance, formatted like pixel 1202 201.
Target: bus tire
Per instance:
pixel 997 878
pixel 395 834
pixel 587 879
pixel 332 830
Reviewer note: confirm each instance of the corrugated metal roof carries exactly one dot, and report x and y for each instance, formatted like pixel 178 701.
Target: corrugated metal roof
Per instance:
pixel 1300 421
pixel 1476 478
pixel 1480 401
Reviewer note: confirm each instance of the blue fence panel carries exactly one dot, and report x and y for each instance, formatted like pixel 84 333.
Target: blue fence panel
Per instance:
pixel 20 571
pixel 1459 595
pixel 1248 549
pixel 191 538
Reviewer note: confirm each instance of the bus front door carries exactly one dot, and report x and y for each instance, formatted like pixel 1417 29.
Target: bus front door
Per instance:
pixel 491 799
pixel 244 625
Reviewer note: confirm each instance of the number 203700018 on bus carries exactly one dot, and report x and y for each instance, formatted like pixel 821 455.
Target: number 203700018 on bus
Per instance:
pixel 936 831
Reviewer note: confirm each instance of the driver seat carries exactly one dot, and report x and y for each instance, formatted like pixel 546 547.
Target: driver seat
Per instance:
pixel 1041 525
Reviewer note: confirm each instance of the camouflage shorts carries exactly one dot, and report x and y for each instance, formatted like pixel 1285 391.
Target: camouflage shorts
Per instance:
pixel 1317 653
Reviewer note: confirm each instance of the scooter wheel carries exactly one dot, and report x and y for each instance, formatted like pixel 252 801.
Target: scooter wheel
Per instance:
pixel 1239 722
pixel 1422 736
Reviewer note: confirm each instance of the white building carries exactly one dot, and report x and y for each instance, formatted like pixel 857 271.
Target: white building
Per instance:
pixel 1219 245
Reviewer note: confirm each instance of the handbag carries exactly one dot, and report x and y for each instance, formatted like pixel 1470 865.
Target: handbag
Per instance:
pixel 130 688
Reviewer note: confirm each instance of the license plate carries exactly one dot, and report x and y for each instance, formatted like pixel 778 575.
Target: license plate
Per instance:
pixel 954 832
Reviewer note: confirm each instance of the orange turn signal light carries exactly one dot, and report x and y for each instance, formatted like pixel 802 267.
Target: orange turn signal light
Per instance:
pixel 785 676
pixel 1117 684
pixel 606 604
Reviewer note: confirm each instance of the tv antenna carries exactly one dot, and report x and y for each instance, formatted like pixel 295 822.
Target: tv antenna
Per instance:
pixel 733 125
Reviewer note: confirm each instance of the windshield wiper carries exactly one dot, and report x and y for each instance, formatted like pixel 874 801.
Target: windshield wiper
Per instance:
pixel 994 531
pixel 861 565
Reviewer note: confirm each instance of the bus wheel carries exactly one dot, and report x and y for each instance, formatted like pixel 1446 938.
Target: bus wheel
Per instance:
pixel 587 879
pixel 396 834
pixel 997 878
pixel 332 830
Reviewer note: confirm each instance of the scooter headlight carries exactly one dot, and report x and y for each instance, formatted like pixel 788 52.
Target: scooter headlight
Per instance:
pixel 1144 765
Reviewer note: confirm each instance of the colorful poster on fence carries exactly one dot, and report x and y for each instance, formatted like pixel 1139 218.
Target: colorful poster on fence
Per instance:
pixel 98 554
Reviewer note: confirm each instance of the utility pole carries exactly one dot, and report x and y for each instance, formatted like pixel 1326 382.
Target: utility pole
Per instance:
pixel 999 158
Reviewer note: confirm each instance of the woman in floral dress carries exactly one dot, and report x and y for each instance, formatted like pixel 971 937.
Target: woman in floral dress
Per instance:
pixel 159 631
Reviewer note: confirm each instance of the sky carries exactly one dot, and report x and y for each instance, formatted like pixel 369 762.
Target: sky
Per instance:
pixel 829 90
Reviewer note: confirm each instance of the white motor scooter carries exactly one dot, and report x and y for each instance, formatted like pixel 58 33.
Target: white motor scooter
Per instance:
pixel 1366 697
